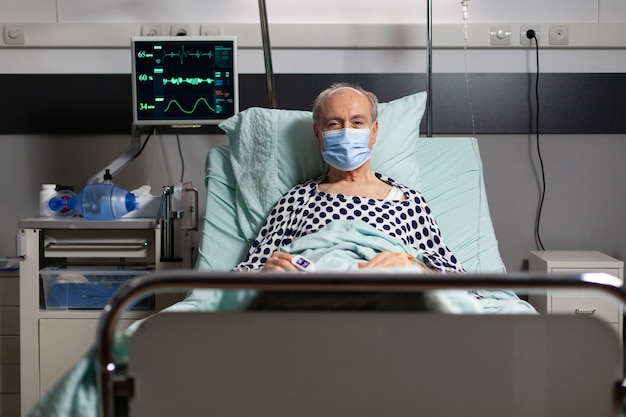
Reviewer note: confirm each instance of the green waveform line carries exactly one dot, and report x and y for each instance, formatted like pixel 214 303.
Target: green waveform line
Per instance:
pixel 182 54
pixel 192 81
pixel 195 106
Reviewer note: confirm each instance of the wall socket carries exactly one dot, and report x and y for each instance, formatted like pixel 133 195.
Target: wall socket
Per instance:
pixel 14 34
pixel 523 39
pixel 500 35
pixel 210 30
pixel 180 29
pixel 158 29
pixel 151 29
pixel 558 35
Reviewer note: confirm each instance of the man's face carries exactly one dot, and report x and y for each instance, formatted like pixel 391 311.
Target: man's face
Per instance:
pixel 346 108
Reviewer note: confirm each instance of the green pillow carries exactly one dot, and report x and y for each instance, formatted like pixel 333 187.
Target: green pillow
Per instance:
pixel 272 150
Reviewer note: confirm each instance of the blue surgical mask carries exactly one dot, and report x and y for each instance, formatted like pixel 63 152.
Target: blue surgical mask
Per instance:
pixel 346 149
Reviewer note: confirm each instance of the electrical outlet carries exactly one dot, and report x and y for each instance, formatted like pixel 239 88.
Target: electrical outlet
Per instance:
pixel 559 35
pixel 152 29
pixel 524 40
pixel 14 34
pixel 500 35
pixel 210 30
pixel 180 29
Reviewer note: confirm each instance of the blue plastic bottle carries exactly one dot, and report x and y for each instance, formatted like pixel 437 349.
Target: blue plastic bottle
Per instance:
pixel 98 202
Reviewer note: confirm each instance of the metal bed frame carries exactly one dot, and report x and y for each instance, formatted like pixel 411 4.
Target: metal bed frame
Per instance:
pixel 109 382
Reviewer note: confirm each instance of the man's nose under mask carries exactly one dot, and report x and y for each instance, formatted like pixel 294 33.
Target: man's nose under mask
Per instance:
pixel 346 149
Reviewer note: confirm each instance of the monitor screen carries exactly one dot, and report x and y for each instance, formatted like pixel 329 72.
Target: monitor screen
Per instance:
pixel 184 81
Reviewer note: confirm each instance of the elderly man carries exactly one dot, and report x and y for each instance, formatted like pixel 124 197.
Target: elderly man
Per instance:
pixel 346 126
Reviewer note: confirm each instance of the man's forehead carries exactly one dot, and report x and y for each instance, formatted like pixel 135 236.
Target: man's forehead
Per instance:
pixel 355 101
pixel 343 89
pixel 351 109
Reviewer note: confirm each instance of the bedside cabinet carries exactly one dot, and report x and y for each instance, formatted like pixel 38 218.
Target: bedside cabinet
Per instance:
pixel 9 343
pixel 55 332
pixel 581 302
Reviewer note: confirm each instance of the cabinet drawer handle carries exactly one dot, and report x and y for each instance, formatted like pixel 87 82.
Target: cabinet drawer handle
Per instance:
pixel 589 311
pixel 97 245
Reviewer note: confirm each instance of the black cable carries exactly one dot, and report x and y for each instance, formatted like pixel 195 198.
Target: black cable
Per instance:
pixel 180 151
pixel 182 160
pixel 145 142
pixel 531 35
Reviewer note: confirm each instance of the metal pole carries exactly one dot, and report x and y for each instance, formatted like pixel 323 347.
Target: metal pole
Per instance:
pixel 267 53
pixel 168 235
pixel 429 72
pixel 167 231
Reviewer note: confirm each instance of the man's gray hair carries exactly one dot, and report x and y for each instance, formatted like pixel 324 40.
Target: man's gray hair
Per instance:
pixel 336 86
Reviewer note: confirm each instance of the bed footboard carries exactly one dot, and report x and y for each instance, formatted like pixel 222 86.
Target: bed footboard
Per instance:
pixel 366 363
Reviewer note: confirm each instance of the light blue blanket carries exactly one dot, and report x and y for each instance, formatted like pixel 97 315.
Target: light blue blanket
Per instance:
pixel 336 247
pixel 340 245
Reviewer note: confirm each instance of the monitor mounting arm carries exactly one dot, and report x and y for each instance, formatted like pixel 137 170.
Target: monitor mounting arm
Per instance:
pixel 128 155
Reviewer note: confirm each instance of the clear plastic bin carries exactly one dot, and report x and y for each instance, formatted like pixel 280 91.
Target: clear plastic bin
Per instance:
pixel 9 264
pixel 87 288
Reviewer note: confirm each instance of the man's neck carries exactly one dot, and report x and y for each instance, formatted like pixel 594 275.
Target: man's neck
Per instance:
pixel 362 174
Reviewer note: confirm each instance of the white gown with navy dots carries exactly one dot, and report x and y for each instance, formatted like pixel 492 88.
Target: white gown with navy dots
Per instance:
pixel 304 210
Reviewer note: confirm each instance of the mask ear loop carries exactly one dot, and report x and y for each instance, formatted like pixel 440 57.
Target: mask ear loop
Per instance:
pixel 371 130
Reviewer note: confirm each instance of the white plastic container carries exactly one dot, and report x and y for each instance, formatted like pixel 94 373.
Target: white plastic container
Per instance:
pixel 46 193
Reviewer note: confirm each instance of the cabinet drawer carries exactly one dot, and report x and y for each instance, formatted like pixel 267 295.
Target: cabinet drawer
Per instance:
pixel 9 291
pixel 10 380
pixel 99 243
pixel 601 307
pixel 9 404
pixel 563 270
pixel 9 320
pixel 9 351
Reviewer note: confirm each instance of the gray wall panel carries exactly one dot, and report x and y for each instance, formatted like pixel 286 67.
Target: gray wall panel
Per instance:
pixel 502 103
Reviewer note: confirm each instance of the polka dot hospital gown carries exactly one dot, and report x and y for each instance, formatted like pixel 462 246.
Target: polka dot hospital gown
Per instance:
pixel 304 210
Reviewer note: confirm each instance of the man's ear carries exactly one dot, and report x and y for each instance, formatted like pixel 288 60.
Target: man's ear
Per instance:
pixel 373 133
pixel 318 136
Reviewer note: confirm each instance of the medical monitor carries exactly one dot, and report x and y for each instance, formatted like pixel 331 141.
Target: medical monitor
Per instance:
pixel 184 81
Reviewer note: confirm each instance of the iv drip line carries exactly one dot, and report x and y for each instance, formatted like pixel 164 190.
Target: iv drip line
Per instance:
pixel 465 37
pixel 469 100
pixel 429 69
pixel 465 14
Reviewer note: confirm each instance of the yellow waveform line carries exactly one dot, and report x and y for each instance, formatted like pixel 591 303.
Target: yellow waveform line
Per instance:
pixel 194 106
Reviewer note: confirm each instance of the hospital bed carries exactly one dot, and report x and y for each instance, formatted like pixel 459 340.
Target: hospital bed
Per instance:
pixel 243 344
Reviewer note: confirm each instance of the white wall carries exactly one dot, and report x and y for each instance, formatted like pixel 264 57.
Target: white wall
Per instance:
pixel 324 36
pixel 304 11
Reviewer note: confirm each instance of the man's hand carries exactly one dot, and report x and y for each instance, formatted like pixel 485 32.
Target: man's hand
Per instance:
pixel 387 259
pixel 280 262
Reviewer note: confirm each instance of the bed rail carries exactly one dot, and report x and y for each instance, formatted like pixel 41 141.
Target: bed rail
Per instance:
pixel 327 282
